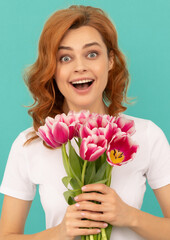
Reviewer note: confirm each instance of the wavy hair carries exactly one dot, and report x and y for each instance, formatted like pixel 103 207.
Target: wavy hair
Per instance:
pixel 48 100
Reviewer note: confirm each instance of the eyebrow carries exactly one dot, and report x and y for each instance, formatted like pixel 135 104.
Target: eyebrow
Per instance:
pixel 85 46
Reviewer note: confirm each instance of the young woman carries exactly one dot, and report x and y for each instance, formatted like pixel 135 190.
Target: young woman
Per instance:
pixel 80 66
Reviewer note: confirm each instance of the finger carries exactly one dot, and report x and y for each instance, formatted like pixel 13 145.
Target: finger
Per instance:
pixel 76 213
pixel 96 187
pixel 89 224
pixel 93 216
pixel 85 231
pixel 90 206
pixel 71 216
pixel 92 196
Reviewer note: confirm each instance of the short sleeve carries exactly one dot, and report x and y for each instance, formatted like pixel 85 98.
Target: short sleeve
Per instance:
pixel 16 181
pixel 158 173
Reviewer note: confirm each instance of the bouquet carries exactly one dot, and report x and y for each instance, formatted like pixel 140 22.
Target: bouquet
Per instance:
pixel 102 141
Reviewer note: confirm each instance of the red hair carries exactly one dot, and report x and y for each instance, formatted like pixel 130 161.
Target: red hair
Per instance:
pixel 48 101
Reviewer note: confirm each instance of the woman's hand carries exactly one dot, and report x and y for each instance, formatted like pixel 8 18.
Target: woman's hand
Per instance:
pixel 74 224
pixel 111 210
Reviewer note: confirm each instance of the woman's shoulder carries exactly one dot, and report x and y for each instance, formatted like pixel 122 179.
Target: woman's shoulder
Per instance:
pixel 141 122
pixel 146 127
pixel 136 119
pixel 24 136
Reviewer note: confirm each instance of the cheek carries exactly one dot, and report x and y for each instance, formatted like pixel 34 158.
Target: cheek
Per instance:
pixel 103 72
pixel 60 76
pixel 58 73
pixel 102 67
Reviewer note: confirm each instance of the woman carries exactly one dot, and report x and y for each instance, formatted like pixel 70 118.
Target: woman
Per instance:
pixel 80 66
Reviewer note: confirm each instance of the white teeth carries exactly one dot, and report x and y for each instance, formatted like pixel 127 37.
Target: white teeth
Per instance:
pixel 82 81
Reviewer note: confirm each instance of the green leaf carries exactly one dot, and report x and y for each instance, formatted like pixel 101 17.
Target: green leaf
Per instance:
pixel 65 159
pixel 66 181
pixel 108 169
pixel 72 181
pixel 103 157
pixel 75 184
pixel 108 231
pixel 102 181
pixel 78 141
pixel 90 172
pixel 98 163
pixel 69 197
pixel 100 160
pixel 100 173
pixel 74 161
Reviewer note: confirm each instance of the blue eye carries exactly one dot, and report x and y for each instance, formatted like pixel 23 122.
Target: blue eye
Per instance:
pixel 92 54
pixel 65 59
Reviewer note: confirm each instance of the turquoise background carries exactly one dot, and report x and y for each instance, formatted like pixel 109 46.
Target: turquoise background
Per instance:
pixel 144 37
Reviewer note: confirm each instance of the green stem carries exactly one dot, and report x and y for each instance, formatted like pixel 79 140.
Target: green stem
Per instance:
pixel 72 173
pixel 109 177
pixel 83 171
pixel 99 236
pixel 65 159
pixel 104 237
pixel 91 237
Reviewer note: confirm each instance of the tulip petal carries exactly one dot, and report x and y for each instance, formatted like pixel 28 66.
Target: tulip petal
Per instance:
pixel 43 132
pixel 92 147
pixel 99 151
pixel 126 125
pixel 121 149
pixel 60 132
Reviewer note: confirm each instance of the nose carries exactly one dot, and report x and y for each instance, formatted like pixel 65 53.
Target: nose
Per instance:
pixel 80 65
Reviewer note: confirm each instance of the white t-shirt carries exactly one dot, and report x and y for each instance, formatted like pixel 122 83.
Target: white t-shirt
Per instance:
pixel 34 164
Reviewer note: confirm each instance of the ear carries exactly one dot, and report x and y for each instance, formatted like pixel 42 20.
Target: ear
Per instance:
pixel 111 59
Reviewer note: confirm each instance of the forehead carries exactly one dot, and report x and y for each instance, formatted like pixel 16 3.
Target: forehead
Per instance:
pixel 81 36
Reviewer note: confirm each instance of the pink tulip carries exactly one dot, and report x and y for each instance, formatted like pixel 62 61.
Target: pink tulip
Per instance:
pixel 94 124
pixel 99 125
pixel 110 131
pixel 81 116
pixel 45 133
pixel 64 128
pixel 80 119
pixel 126 125
pixel 58 130
pixel 92 147
pixel 121 149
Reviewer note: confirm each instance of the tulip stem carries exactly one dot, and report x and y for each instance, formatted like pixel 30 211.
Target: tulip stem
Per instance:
pixel 109 176
pixel 83 171
pixel 104 237
pixel 65 159
pixel 91 237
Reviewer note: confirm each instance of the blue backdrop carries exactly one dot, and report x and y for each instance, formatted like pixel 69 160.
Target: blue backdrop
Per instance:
pixel 144 37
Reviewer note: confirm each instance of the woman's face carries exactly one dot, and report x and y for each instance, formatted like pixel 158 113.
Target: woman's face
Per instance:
pixel 82 69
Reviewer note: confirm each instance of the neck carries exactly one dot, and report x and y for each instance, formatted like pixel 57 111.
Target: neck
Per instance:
pixel 102 109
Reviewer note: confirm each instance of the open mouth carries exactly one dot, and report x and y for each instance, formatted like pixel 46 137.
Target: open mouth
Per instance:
pixel 82 84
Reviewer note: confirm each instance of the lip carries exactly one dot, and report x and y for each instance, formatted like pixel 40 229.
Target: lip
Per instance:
pixel 80 79
pixel 82 91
